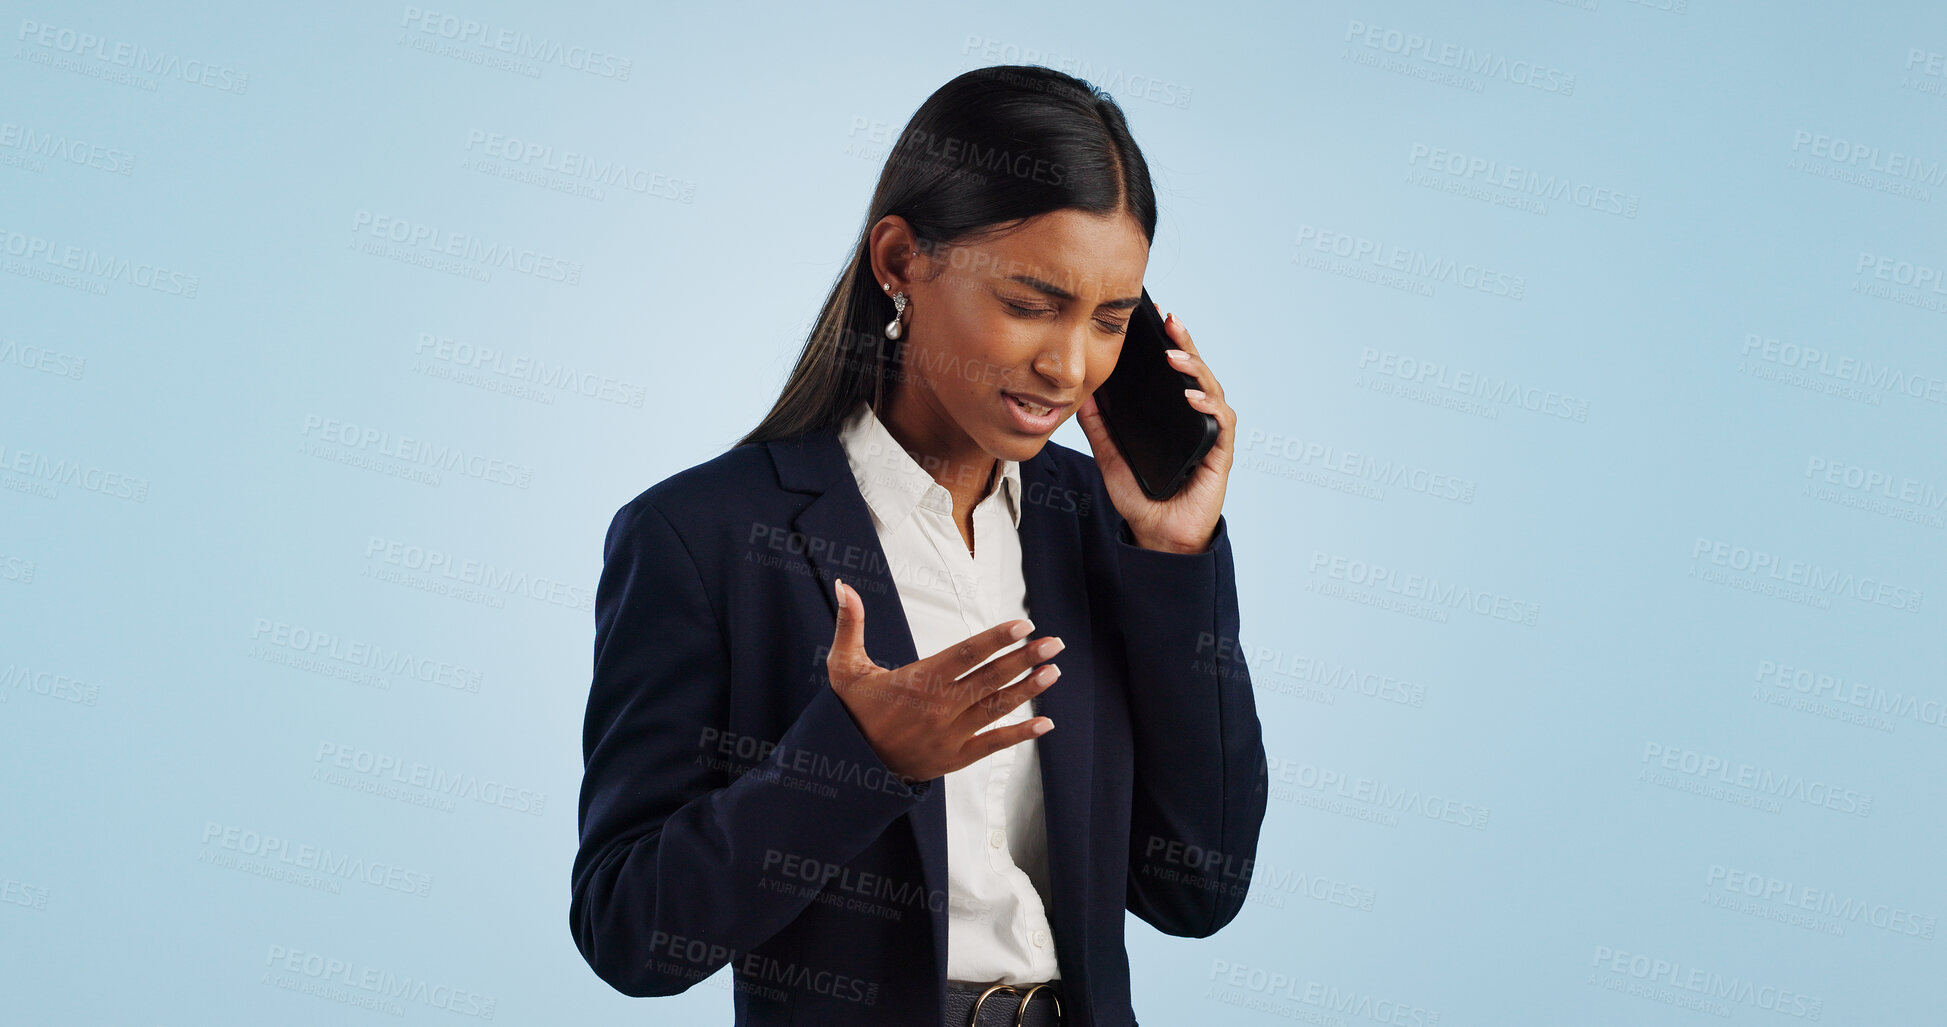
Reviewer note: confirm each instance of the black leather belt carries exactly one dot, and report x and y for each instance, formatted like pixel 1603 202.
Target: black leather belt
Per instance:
pixel 993 1004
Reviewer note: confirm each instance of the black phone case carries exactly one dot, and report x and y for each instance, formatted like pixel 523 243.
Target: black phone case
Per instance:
pixel 1152 423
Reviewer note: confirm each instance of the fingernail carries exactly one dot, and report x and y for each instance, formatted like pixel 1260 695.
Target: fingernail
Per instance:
pixel 1021 630
pixel 1193 393
pixel 840 592
pixel 1176 354
pixel 1048 676
pixel 1044 727
pixel 1054 645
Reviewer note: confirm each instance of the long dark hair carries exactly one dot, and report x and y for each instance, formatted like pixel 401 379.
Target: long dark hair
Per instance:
pixel 993 147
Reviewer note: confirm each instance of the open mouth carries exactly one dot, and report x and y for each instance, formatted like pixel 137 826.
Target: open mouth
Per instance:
pixel 1033 408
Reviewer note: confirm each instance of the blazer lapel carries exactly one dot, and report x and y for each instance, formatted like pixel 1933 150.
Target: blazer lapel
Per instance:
pixel 1051 564
pixel 839 540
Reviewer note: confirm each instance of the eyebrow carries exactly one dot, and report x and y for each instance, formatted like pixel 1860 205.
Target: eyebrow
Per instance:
pixel 1128 303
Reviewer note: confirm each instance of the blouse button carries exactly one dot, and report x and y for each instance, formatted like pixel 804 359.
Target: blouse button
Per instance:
pixel 996 838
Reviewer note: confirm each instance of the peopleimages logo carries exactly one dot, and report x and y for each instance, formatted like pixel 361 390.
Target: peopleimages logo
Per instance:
pixel 46 258
pixel 361 984
pixel 128 57
pixel 516 43
pixel 446 784
pixel 1814 685
pixel 1297 997
pixel 1822 901
pixel 1379 794
pixel 1862 371
pixel 1411 266
pixel 1875 482
pixel 47 471
pixel 66 149
pixel 1525 181
pixel 1864 157
pixel 1808 576
pixel 416 452
pixel 359 654
pixel 1304 454
pixel 1462 381
pixel 1464 59
pixel 1425 588
pixel 440 566
pixel 422 243
pixel 577 166
pixel 274 853
pixel 1901 272
pixel 1710 991
pixel 1760 780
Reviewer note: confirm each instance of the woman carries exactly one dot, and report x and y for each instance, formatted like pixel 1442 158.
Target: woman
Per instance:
pixel 777 781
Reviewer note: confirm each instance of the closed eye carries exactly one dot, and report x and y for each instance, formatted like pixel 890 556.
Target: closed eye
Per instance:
pixel 1107 327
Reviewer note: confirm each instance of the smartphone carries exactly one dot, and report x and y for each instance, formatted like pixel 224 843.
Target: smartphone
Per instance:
pixel 1154 426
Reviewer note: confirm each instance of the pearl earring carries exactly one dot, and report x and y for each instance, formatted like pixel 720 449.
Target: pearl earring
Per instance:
pixel 895 328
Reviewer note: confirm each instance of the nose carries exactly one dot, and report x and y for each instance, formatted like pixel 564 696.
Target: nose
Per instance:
pixel 1062 362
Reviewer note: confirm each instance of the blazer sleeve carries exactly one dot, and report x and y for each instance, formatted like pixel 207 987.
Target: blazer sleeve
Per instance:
pixel 669 882
pixel 1200 779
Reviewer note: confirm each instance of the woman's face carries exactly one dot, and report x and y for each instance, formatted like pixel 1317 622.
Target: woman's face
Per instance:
pixel 1034 316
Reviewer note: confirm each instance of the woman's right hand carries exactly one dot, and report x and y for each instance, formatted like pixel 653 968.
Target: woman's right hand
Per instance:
pixel 921 719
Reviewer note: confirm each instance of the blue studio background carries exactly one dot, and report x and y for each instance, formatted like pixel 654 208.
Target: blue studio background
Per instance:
pixel 1589 509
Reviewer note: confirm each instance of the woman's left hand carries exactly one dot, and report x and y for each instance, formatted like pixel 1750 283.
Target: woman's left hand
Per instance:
pixel 1184 522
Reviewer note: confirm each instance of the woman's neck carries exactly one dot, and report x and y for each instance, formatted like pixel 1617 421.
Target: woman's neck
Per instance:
pixel 947 453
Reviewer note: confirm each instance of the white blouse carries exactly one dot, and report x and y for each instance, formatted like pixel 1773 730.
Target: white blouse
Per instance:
pixel 997 843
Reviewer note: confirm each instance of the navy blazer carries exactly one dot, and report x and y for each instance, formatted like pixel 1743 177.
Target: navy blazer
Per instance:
pixel 733 813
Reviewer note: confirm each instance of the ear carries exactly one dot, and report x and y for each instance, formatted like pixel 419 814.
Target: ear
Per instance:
pixel 891 247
